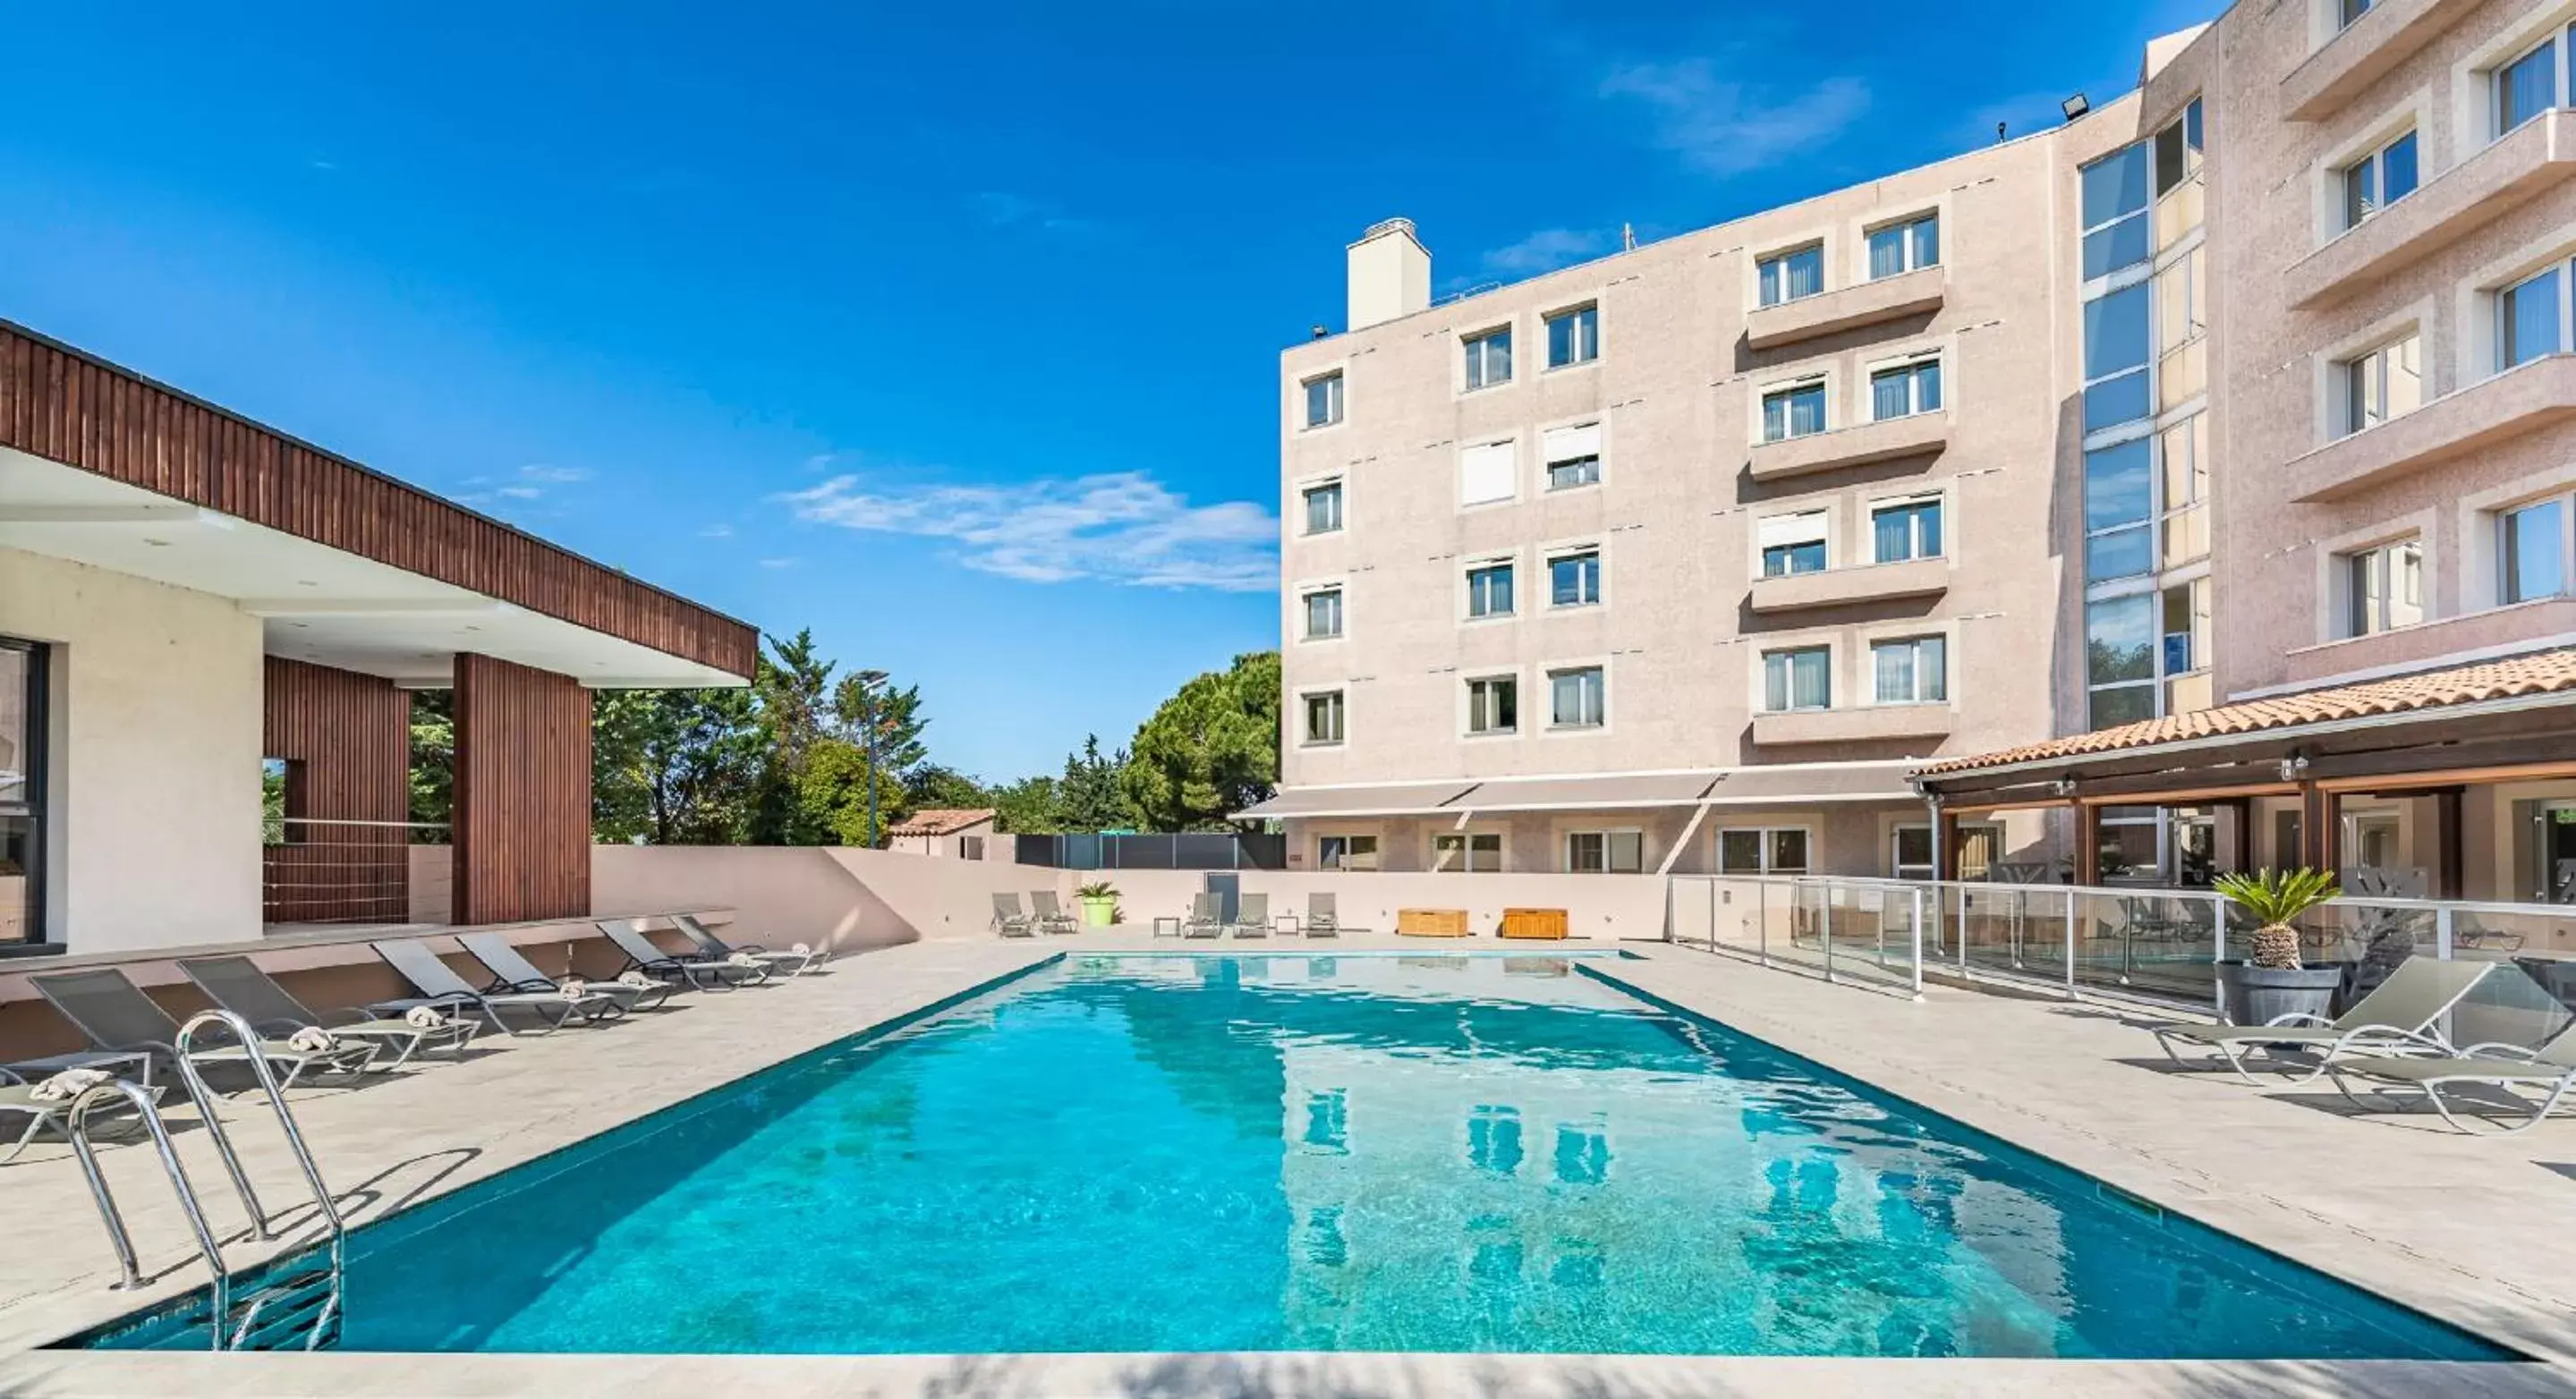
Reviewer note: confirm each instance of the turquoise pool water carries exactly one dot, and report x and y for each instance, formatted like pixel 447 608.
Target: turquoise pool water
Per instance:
pixel 1333 1153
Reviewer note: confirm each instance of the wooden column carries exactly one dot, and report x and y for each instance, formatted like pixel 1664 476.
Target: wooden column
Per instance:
pixel 2450 862
pixel 2088 843
pixel 2237 854
pixel 522 819
pixel 2321 828
pixel 346 741
pixel 1945 843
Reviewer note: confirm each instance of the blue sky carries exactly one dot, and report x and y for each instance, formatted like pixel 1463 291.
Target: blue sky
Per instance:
pixel 948 331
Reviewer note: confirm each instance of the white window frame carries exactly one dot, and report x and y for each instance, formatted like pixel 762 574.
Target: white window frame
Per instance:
pixel 1898 868
pixel 2563 267
pixel 1550 557
pixel 1790 530
pixel 1600 671
pixel 1467 840
pixel 1467 588
pixel 1468 453
pixel 2365 376
pixel 1548 458
pixel 2555 38
pixel 2374 164
pixel 1333 395
pixel 2371 579
pixel 1587 348
pixel 1916 642
pixel 1789 688
pixel 1307 490
pixel 1348 839
pixel 1910 366
pixel 2496 525
pixel 1341 706
pixel 1940 503
pixel 1606 835
pixel 1788 416
pixel 1763 839
pixel 1475 364
pixel 1470 712
pixel 1911 258
pixel 1307 595
pixel 1771 274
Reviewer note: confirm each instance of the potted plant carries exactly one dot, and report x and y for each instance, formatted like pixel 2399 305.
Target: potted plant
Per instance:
pixel 2271 983
pixel 1099 903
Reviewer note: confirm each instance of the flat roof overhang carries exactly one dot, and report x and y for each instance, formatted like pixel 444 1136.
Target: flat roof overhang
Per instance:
pixel 348 567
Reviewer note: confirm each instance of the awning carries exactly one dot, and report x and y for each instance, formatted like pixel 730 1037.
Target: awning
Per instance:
pixel 1379 799
pixel 1786 785
pixel 1803 784
pixel 1587 793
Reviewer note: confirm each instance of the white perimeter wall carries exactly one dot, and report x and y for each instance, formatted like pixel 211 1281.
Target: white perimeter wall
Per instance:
pixel 153 829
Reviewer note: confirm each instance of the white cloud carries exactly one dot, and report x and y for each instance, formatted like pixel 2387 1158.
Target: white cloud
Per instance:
pixel 520 492
pixel 1119 527
pixel 1547 250
pixel 554 475
pixel 716 532
pixel 780 563
pixel 1726 127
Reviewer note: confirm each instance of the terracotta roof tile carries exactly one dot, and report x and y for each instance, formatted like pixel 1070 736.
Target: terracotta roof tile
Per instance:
pixel 2541 673
pixel 940 821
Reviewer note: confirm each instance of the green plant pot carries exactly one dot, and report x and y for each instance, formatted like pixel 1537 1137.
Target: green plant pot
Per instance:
pixel 1099 913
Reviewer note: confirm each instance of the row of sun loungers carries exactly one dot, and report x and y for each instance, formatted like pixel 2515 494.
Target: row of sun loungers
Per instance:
pixel 1206 919
pixel 126 1027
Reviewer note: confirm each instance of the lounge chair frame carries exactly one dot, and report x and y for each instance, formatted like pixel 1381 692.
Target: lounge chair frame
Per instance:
pixel 2360 1030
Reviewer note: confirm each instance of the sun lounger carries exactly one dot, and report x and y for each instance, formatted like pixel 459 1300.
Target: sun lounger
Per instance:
pixel 19 1097
pixel 644 956
pixel 238 985
pixel 792 962
pixel 1323 917
pixel 2549 1070
pixel 1205 921
pixel 2396 1018
pixel 1251 916
pixel 512 971
pixel 1010 920
pixel 442 989
pixel 115 1014
pixel 1050 915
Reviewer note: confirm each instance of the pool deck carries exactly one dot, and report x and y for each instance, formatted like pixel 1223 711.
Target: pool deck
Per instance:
pixel 2464 1229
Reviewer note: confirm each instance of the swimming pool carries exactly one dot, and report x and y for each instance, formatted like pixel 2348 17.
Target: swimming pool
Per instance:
pixel 1380 1153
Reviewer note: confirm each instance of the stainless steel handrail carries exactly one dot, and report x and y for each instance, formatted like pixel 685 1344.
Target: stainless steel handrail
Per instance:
pixel 76 1126
pixel 250 1041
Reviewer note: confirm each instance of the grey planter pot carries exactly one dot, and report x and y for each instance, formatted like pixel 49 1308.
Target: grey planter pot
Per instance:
pixel 2250 995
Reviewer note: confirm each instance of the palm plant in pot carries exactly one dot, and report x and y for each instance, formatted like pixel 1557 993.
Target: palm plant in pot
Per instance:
pixel 1099 903
pixel 2270 983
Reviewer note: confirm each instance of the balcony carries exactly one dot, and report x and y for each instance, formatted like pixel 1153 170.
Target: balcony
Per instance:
pixel 1859 724
pixel 2367 49
pixel 2463 639
pixel 1845 308
pixel 1836 587
pixel 2532 158
pixel 1916 435
pixel 2522 399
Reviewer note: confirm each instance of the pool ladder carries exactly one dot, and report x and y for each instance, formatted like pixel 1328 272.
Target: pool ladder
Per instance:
pixel 299 1309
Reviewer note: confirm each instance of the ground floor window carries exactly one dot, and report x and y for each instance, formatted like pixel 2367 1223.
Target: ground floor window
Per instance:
pixel 1605 852
pixel 1912 857
pixel 1478 852
pixel 22 792
pixel 1346 853
pixel 1762 850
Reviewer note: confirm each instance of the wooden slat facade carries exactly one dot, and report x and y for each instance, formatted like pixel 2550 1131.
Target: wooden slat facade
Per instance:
pixel 522 813
pixel 68 407
pixel 346 739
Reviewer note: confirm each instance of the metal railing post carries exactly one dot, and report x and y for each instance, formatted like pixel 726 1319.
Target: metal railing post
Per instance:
pixel 1963 927
pixel 2442 933
pixel 1762 918
pixel 1829 938
pixel 2070 944
pixel 1915 964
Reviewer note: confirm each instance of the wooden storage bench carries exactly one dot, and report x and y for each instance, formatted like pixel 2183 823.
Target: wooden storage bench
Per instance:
pixel 1545 923
pixel 1431 922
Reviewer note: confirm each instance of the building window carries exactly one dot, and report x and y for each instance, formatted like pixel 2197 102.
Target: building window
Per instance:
pixel 1762 850
pixel 1912 857
pixel 1575 699
pixel 2531 551
pixel 2120 659
pixel 2384 588
pixel 1573 456
pixel 2116 234
pixel 2531 317
pixel 2378 180
pixel 1324 399
pixel 1346 852
pixel 1324 508
pixel 1489 472
pixel 1905 247
pixel 1489 590
pixel 1905 529
pixel 1913 671
pixel 1574 578
pixel 970 847
pixel 2119 510
pixel 1323 614
pixel 1489 358
pixel 2528 86
pixel 1494 705
pixel 1605 852
pixel 2184 448
pixel 1905 389
pixel 1478 852
pixel 23 729
pixel 1793 544
pixel 2116 348
pixel 1324 717
pixel 2382 384
pixel 1794 411
pixel 1574 337
pixel 2186 635
pixel 2182 317
pixel 2346 11
pixel 1788 276
pixel 1796 679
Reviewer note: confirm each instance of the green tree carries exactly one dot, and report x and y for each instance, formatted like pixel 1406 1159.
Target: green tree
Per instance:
pixel 433 762
pixel 832 795
pixel 1210 750
pixel 1030 806
pixel 1090 796
pixel 676 767
pixel 931 785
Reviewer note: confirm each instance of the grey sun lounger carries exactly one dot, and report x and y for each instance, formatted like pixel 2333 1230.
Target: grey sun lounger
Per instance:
pixel 1050 915
pixel 238 985
pixel 19 1097
pixel 715 949
pixel 1251 916
pixel 1323 917
pixel 442 989
pixel 1205 920
pixel 643 955
pixel 115 1014
pixel 1011 920
pixel 2396 1018
pixel 2549 1070
pixel 512 971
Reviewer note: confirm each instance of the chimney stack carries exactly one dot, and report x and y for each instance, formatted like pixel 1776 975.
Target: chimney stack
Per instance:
pixel 1390 274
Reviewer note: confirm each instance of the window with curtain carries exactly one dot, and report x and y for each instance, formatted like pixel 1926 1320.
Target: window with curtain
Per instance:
pixel 1489 590
pixel 1574 579
pixel 1489 358
pixel 1795 411
pixel 1324 400
pixel 2527 87
pixel 1478 852
pixel 1323 614
pixel 1911 671
pixel 1323 507
pixel 1576 698
pixel 1904 390
pixel 1788 276
pixel 1493 705
pixel 1797 679
pixel 2530 318
pixel 1604 852
pixel 1792 543
pixel 2378 180
pixel 1324 717
pixel 1905 247
pixel 1906 529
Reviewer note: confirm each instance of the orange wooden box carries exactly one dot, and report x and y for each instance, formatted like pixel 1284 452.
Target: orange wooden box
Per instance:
pixel 1431 922
pixel 1547 923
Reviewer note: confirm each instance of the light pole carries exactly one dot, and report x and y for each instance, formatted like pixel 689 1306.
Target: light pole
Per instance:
pixel 869 680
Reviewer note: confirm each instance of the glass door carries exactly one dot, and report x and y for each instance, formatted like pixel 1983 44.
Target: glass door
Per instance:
pixel 22 793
